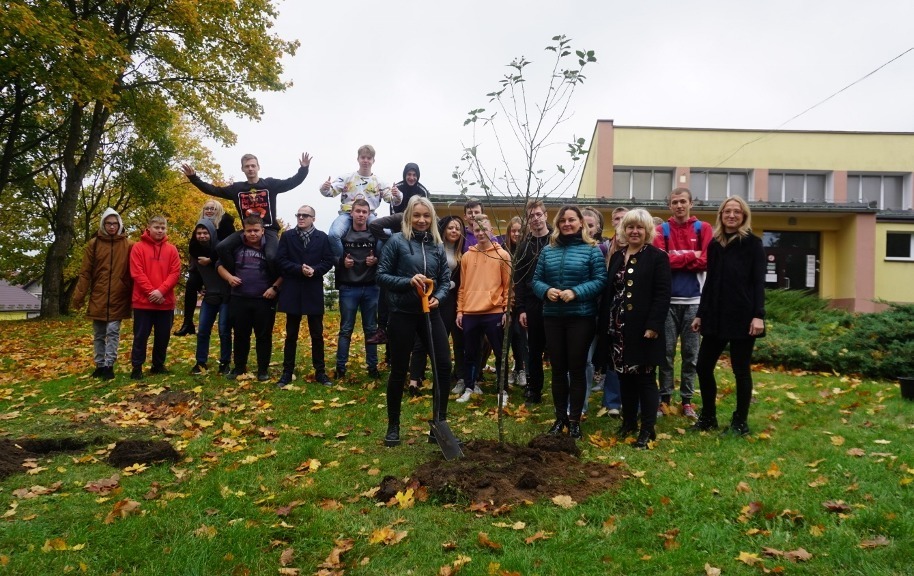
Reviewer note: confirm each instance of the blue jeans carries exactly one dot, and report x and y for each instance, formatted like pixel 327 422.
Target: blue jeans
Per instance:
pixel 679 327
pixel 354 299
pixel 339 228
pixel 208 314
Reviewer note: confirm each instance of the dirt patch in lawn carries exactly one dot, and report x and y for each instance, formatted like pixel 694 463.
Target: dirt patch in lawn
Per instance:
pixel 17 456
pixel 129 452
pixel 507 474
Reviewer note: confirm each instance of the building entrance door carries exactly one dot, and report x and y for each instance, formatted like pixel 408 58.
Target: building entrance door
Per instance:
pixel 793 260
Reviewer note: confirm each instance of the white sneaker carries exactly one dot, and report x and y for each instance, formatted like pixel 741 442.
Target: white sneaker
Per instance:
pixel 511 378
pixel 522 379
pixel 477 390
pixel 459 387
pixel 502 398
pixel 465 397
pixel 613 412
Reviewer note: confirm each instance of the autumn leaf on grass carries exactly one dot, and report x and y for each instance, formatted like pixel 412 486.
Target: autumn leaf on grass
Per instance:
pixel 774 471
pixel 36 491
pixel 204 531
pixel 836 506
pixel 798 555
pixel 516 526
pixel 837 440
pixel 310 465
pixel 609 525
pixel 122 509
pixel 285 558
pixel 541 535
pixel 289 571
pixel 483 540
pixel 875 542
pixel 820 481
pixel 334 560
pixel 103 486
pixel 135 469
pixel 405 499
pixel 455 566
pixel 749 511
pixel 748 558
pixel 564 501
pixel 711 570
pixel 669 539
pixel 387 536
pixel 743 487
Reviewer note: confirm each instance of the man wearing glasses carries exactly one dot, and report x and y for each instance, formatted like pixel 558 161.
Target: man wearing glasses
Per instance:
pixel 528 309
pixel 304 256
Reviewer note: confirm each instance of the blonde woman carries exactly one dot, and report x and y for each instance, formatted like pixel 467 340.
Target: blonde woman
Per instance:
pixel 732 311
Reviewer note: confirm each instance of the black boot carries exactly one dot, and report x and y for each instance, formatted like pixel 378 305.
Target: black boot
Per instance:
pixel 557 427
pixel 574 430
pixel 108 374
pixel 704 423
pixel 627 429
pixel 186 329
pixel 737 427
pixel 285 379
pixel 646 435
pixel 99 372
pixel 393 435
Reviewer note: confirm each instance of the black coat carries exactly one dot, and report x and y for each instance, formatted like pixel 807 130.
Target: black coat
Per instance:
pixel 647 303
pixel 734 291
pixel 300 294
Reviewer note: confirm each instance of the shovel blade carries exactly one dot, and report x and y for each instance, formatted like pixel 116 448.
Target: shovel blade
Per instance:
pixel 448 443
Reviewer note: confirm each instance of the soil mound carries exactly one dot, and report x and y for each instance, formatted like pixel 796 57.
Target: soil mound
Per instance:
pixel 13 453
pixel 129 452
pixel 511 474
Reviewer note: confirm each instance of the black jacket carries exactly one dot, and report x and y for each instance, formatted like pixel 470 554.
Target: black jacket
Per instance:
pixel 401 259
pixel 647 302
pixel 734 291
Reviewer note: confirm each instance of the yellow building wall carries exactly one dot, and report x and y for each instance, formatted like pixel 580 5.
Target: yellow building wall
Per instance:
pixel 14 315
pixel 894 279
pixel 805 151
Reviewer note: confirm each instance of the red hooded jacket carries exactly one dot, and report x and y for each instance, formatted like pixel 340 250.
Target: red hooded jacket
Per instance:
pixel 154 266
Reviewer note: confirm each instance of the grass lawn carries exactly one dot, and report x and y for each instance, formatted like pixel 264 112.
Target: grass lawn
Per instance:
pixel 282 481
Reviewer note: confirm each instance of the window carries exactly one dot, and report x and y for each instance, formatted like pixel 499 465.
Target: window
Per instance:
pixel 899 246
pixel 643 184
pixel 887 191
pixel 794 187
pixel 717 186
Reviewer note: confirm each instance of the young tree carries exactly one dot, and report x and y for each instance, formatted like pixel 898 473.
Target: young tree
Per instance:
pixel 75 65
pixel 510 146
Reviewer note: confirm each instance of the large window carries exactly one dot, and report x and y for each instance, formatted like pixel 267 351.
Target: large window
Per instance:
pixel 643 184
pixel 719 185
pixel 886 191
pixel 899 246
pixel 793 187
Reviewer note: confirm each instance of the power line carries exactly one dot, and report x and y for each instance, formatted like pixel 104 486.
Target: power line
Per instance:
pixel 811 108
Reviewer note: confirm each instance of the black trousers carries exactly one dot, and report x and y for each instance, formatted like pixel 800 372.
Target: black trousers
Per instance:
pixel 448 311
pixel 257 315
pixel 144 322
pixel 316 330
pixel 639 390
pixel 569 340
pixel 191 288
pixel 402 331
pixel 536 346
pixel 740 359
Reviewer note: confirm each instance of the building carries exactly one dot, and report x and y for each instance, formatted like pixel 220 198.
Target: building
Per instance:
pixel 17 304
pixel 833 208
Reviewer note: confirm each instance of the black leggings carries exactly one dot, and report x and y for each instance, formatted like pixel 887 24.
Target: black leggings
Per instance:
pixel 568 338
pixel 191 288
pixel 639 390
pixel 402 331
pixel 740 359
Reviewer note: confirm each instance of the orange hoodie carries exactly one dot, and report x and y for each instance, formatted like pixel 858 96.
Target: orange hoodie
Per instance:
pixel 485 279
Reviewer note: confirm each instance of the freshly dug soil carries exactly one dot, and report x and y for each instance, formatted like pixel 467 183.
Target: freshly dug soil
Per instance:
pixel 129 452
pixel 510 474
pixel 14 452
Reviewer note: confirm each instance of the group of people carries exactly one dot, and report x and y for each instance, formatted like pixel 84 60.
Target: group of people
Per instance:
pixel 616 306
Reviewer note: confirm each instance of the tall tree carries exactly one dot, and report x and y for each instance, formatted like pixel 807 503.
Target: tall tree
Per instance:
pixel 74 65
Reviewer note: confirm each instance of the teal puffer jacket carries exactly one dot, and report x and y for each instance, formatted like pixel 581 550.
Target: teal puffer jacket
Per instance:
pixel 570 264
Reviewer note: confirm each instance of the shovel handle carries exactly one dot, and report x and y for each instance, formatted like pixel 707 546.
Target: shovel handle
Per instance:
pixel 424 294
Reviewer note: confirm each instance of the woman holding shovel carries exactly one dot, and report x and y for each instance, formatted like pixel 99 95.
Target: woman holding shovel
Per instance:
pixel 408 261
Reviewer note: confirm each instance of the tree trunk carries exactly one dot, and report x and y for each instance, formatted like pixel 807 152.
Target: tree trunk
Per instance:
pixel 82 142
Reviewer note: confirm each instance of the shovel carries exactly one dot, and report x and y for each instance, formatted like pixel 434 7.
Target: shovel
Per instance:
pixel 448 443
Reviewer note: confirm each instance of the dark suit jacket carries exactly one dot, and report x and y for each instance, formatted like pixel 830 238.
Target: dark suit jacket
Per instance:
pixel 300 294
pixel 647 303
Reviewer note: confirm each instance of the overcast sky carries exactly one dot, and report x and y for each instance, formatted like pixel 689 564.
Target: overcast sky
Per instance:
pixel 401 75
